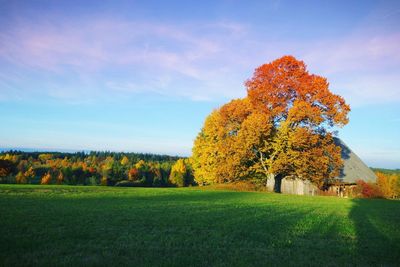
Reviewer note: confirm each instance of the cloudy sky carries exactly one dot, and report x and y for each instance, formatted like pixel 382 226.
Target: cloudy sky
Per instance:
pixel 143 75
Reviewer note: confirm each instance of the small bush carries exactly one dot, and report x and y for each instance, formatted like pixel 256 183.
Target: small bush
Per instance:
pixel 93 180
pixel 368 190
pixel 157 181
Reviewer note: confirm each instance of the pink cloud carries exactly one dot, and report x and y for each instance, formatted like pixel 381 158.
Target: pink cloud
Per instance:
pixel 198 61
pixel 355 53
pixel 363 68
pixel 94 44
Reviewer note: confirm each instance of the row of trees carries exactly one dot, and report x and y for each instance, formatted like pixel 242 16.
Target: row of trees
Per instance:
pixel 118 169
pixel 95 168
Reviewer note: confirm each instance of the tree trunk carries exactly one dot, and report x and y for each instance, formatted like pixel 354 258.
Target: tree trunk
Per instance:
pixel 278 183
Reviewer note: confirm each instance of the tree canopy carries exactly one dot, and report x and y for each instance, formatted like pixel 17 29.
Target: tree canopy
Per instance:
pixel 284 127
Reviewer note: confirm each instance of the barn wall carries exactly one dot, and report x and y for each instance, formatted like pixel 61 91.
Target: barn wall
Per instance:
pixel 298 187
pixel 294 186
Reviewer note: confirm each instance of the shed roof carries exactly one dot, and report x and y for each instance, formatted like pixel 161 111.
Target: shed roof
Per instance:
pixel 354 168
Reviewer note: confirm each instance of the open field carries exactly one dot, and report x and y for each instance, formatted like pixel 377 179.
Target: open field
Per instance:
pixel 72 225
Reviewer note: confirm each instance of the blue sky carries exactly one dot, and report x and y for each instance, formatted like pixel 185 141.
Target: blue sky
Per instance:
pixel 143 75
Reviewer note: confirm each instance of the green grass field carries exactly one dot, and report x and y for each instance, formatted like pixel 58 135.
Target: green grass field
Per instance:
pixel 86 226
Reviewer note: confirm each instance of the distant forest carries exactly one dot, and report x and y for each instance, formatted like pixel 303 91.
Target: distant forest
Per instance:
pixel 95 168
pixel 386 171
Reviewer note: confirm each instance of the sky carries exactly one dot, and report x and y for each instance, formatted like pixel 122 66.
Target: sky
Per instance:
pixel 142 76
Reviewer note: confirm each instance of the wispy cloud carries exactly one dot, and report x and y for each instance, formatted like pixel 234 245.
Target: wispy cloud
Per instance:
pixel 112 51
pixel 200 61
pixel 356 53
pixel 95 44
pixel 363 68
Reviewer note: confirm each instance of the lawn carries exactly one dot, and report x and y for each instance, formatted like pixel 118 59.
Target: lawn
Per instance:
pixel 86 226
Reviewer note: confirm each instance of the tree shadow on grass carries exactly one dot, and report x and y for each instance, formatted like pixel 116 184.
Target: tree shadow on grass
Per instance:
pixel 198 228
pixel 377 226
pixel 174 229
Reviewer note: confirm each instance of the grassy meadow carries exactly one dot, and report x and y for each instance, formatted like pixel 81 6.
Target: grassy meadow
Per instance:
pixel 87 226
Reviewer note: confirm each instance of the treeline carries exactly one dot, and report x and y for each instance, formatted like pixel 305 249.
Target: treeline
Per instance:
pixel 95 168
pixel 387 171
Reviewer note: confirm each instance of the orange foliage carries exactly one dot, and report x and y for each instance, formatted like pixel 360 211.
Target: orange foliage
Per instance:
pixel 92 169
pixel 368 190
pixel 30 173
pixel 133 174
pixel 46 179
pixel 284 87
pixel 282 127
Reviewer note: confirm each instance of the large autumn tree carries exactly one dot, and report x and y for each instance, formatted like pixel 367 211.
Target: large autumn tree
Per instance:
pixel 284 127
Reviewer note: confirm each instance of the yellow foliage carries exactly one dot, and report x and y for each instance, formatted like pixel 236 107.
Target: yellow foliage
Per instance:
pixel 124 161
pixel 108 163
pixel 178 173
pixel 140 165
pixel 388 184
pixel 45 157
pixel 65 162
pixel 104 181
pixel 20 178
pixel 13 158
pixel 179 166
